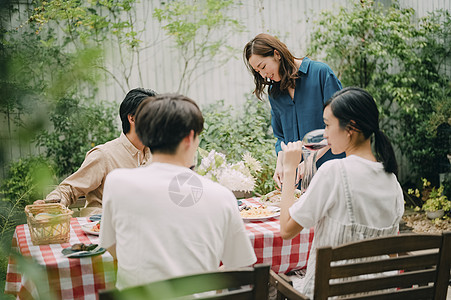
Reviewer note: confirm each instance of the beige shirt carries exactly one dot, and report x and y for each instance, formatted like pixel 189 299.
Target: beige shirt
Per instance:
pixel 89 179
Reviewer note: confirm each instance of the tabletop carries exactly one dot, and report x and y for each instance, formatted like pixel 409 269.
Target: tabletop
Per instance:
pixel 67 278
pixel 282 255
pixel 82 278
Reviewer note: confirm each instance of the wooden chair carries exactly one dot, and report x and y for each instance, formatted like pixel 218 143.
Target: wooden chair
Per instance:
pixel 284 286
pixel 231 280
pixel 421 274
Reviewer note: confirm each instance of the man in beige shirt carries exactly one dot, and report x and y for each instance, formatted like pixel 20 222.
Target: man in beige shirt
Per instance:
pixel 126 151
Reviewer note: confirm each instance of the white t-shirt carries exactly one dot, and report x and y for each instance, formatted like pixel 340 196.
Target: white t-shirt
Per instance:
pixel 377 196
pixel 168 221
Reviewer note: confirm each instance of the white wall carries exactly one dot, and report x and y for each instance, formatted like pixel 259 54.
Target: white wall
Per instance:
pixel 290 20
pixel 161 66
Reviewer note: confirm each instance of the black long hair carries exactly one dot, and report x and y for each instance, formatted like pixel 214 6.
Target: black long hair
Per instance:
pixel 355 108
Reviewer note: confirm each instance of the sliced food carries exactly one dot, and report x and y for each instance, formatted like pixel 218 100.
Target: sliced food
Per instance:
pixel 275 197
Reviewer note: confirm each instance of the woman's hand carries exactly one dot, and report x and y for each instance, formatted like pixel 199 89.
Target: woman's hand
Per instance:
pixel 300 172
pixel 278 173
pixel 292 154
pixel 39 202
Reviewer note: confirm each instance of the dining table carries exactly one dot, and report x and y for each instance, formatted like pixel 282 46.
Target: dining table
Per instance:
pixel 283 255
pixel 82 278
pixel 63 278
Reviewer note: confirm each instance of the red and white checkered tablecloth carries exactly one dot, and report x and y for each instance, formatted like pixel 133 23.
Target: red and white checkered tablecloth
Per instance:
pixel 269 247
pixel 75 278
pixel 82 278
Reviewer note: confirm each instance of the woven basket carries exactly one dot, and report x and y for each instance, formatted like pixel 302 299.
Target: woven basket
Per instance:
pixel 52 230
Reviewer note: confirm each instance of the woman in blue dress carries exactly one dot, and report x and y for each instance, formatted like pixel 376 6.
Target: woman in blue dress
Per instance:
pixel 297 89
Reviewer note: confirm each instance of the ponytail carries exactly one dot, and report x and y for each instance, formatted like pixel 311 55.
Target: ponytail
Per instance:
pixel 355 107
pixel 384 152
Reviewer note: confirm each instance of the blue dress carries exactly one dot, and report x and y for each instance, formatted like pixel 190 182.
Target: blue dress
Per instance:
pixel 293 118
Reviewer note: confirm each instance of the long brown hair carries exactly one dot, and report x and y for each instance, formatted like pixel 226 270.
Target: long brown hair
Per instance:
pixel 264 45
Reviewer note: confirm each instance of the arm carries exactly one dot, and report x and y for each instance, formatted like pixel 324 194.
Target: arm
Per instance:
pixel 86 179
pixel 292 156
pixel 278 172
pixel 112 250
pixel 331 85
pixel 107 228
pixel 237 249
pixel 278 133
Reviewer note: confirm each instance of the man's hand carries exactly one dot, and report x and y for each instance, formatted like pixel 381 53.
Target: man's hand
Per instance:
pixel 47 201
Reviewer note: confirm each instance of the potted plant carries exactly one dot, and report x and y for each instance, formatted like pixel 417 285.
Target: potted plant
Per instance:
pixel 436 204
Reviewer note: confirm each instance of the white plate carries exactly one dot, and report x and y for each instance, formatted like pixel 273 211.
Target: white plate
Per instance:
pixel 274 198
pixel 276 214
pixel 87 228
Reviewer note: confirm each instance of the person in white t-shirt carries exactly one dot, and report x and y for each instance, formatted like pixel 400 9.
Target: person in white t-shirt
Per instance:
pixel 164 220
pixel 350 199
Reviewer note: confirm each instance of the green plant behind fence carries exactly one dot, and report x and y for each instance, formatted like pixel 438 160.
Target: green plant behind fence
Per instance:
pixel 405 65
pixel 200 31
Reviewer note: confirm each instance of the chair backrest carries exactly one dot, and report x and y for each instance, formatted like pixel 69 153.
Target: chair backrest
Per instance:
pixel 255 281
pixel 416 275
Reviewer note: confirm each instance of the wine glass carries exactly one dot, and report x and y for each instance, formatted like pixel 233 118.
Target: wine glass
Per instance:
pixel 312 142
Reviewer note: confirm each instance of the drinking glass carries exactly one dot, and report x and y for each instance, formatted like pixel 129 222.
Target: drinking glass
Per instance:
pixel 312 142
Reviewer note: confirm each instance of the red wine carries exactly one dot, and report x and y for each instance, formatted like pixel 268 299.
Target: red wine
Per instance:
pixel 314 146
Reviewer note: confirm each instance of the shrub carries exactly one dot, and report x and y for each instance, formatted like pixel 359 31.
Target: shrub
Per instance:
pixel 78 126
pixel 402 63
pixel 27 180
pixel 235 132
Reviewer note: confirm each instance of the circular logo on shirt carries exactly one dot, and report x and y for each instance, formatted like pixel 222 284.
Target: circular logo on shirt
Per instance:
pixel 185 189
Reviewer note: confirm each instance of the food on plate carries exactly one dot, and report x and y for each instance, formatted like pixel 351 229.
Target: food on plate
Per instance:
pixel 275 197
pixel 96 227
pixel 256 212
pixel 82 247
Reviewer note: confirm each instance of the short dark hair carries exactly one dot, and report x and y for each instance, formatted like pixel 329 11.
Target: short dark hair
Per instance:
pixel 130 103
pixel 164 120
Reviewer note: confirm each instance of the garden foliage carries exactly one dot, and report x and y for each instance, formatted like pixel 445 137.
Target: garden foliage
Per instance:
pixel 78 126
pixel 237 130
pixel 42 77
pixel 404 63
pixel 26 181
